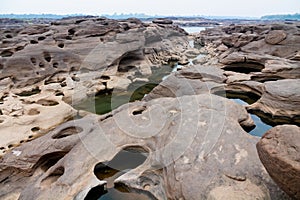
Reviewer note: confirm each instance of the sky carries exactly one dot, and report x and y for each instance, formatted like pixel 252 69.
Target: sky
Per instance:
pixel 249 8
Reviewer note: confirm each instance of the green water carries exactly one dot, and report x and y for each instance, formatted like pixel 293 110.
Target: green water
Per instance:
pixel 110 100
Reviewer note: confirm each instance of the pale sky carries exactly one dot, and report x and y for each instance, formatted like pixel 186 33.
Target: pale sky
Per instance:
pixel 251 8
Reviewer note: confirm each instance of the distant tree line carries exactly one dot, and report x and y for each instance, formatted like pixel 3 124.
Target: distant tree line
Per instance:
pixel 282 17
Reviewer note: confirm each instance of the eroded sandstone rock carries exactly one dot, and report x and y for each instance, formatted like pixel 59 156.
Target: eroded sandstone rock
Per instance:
pixel 69 60
pixel 275 37
pixel 280 99
pixel 279 151
pixel 195 147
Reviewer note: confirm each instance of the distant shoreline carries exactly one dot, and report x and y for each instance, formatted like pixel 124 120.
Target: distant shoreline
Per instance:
pixel 146 17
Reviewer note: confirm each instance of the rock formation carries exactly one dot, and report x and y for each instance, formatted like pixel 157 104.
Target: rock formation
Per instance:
pixel 43 67
pixel 195 150
pixel 279 150
pixel 195 140
pixel 255 59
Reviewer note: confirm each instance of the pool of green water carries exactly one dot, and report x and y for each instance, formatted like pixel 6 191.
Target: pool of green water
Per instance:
pixel 110 100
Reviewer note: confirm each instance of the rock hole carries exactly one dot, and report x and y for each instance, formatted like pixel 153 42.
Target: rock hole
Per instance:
pixel 30 137
pixel 126 60
pixel 61 45
pixel 71 31
pixel 67 132
pixel 49 160
pixel 10 146
pixel 41 38
pixel 33 42
pixel 74 78
pixel 41 65
pixel 63 84
pixel 54 79
pixel 248 97
pixel 95 193
pixel 29 92
pixel 55 65
pixel 46 102
pixel 33 61
pixel 1 121
pixel 47 57
pixel 33 111
pixel 68 37
pixel 22 141
pixel 6 53
pixel 53 177
pixel 59 93
pixel 105 77
pixel 245 68
pixel 8 36
pixel 35 129
pixel 73 69
pixel 2 148
pixel 19 48
pixel 263 78
pixel 139 111
pixel 127 159
pixel 126 68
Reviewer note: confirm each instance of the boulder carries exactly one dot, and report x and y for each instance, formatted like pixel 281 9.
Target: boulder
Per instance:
pixel 275 37
pixel 279 151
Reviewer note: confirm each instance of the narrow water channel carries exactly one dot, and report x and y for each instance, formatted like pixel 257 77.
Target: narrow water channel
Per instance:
pixel 260 126
pixel 245 99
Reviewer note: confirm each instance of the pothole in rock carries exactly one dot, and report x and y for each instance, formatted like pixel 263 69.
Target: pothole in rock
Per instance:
pixel 33 42
pixel 108 100
pixel 127 159
pixel 33 111
pixel 6 53
pixel 47 102
pixel 47 56
pixel 27 93
pixel 247 97
pixel 265 77
pixel 61 45
pixel 67 132
pixel 41 38
pixel 49 160
pixel 244 99
pixel 245 68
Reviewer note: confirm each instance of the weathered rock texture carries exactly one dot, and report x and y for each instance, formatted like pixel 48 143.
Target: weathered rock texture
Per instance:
pixel 280 99
pixel 279 151
pixel 45 66
pixel 196 148
pixel 256 58
pixel 196 141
